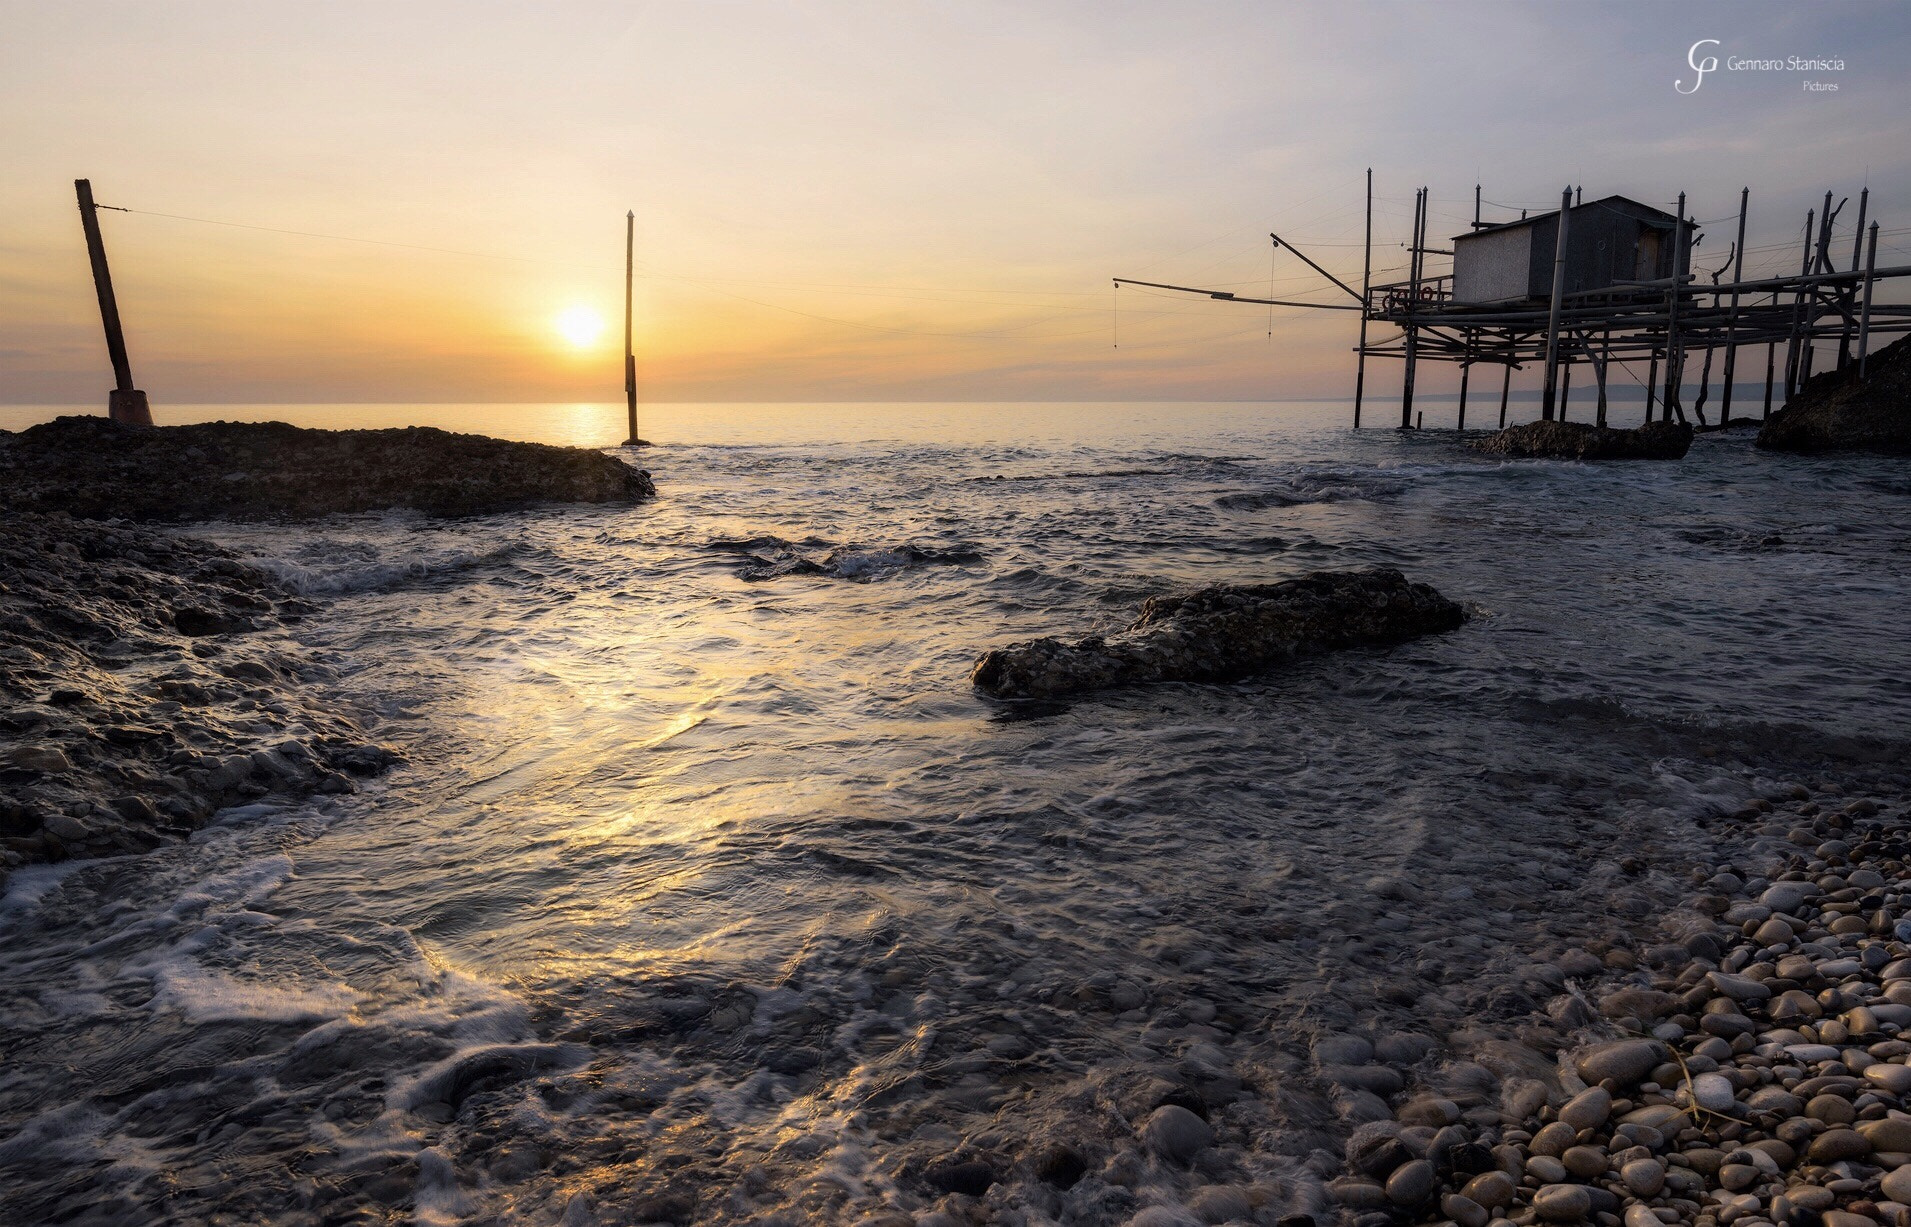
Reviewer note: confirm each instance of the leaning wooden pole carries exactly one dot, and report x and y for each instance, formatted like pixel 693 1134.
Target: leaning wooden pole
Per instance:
pixel 1550 391
pixel 1466 375
pixel 1506 388
pixel 1798 308
pixel 1857 246
pixel 1731 326
pixel 1366 279
pixel 1864 314
pixel 630 353
pixel 1821 263
pixel 1413 308
pixel 1599 370
pixel 125 403
pixel 1771 366
pixel 1674 354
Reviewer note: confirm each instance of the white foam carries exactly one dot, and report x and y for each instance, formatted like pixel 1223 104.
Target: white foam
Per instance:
pixel 209 996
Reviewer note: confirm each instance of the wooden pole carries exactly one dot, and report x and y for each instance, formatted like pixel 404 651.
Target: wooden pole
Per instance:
pixel 1731 327
pixel 1599 369
pixel 124 403
pixel 1366 278
pixel 1771 368
pixel 1466 373
pixel 1705 388
pixel 1565 385
pixel 1413 307
pixel 1506 387
pixel 1821 263
pixel 630 354
pixel 1864 315
pixel 1857 244
pixel 1674 359
pixel 1652 383
pixel 1550 388
pixel 1798 309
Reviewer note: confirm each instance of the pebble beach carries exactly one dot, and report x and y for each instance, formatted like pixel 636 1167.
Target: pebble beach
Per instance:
pixel 1754 1072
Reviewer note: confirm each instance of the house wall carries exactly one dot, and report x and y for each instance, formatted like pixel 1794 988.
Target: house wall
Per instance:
pixel 1492 267
pixel 1606 241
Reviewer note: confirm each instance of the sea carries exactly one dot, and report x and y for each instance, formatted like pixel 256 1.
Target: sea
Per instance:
pixel 709 890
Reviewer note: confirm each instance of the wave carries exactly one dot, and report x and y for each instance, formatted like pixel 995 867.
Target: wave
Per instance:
pixel 1329 487
pixel 358 568
pixel 1077 475
pixel 767 557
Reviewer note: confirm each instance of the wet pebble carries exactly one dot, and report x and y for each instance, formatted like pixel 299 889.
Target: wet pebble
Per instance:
pixel 1176 1133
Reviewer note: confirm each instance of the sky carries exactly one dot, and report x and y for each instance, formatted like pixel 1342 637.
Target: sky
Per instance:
pixel 425 202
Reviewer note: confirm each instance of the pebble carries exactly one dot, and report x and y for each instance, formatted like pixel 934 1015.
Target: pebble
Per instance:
pixel 1220 1203
pixel 1176 1133
pixel 1464 1210
pixel 1645 1177
pixel 1891 1135
pixel 1893 1078
pixel 1714 1092
pixel 1412 1184
pixel 1773 932
pixel 1356 1193
pixel 1495 1190
pixel 1562 1203
pixel 1555 1139
pixel 1432 1111
pixel 1835 1144
pixel 1586 1162
pixel 1587 1110
pixel 1787 896
pixel 1897 1185
pixel 1625 1062
pixel 1342 1050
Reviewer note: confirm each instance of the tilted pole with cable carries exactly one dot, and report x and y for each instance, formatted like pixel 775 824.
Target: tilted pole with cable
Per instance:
pixel 125 403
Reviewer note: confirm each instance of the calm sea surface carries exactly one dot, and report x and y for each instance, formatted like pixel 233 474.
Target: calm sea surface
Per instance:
pixel 710 891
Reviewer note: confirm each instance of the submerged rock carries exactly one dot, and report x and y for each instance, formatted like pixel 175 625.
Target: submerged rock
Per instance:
pixel 1836 411
pixel 1581 441
pixel 127 723
pixel 98 468
pixel 1224 632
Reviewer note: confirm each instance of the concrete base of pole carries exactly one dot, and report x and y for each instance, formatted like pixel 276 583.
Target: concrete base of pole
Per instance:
pixel 129 407
pixel 635 443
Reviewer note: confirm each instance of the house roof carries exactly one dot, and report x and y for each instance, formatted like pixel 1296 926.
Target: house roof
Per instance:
pixel 1655 214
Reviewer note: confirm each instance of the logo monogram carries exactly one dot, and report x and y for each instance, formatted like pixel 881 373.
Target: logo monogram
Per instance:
pixel 1700 66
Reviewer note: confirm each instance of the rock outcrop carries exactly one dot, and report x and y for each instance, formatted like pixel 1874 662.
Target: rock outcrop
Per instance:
pixel 97 468
pixel 1836 411
pixel 1223 633
pixel 144 684
pixel 1580 441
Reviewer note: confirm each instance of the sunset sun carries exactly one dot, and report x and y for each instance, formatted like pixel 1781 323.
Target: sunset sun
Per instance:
pixel 579 326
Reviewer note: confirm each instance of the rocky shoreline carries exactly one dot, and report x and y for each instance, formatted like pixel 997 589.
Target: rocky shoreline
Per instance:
pixel 1748 1069
pixel 1581 441
pixel 148 681
pixel 102 469
pixel 1837 411
pixel 1224 632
